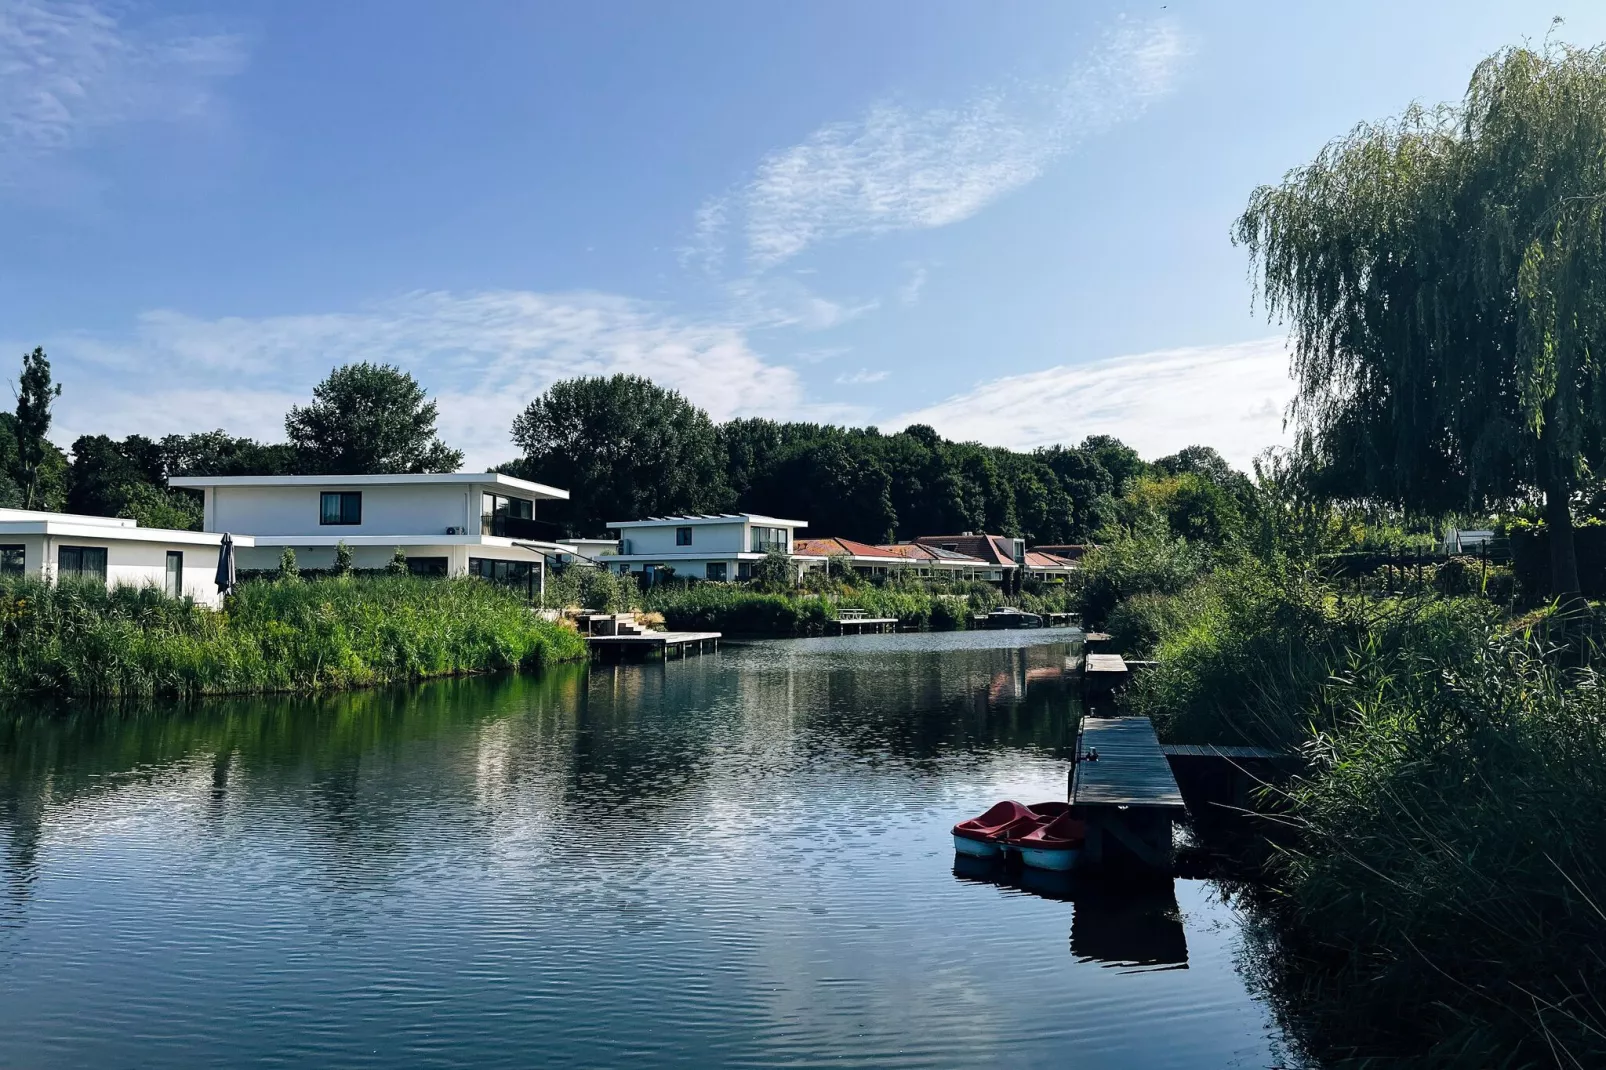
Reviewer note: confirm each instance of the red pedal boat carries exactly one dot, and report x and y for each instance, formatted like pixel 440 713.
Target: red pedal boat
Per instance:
pixel 1055 844
pixel 981 837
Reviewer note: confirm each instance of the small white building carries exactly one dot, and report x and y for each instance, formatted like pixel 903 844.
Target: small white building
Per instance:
pixel 113 550
pixel 448 524
pixel 720 547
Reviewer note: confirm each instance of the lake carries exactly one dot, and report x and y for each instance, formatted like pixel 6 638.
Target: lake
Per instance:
pixel 741 859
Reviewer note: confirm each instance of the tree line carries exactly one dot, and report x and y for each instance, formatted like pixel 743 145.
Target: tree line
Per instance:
pixel 626 448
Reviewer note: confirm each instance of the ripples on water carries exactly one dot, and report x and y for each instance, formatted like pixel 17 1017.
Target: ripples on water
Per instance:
pixel 735 860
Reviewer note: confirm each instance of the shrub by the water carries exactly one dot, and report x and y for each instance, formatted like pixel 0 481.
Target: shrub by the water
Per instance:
pixel 1446 892
pixel 82 641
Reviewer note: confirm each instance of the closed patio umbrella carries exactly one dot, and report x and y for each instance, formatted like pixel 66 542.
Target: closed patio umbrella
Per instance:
pixel 225 565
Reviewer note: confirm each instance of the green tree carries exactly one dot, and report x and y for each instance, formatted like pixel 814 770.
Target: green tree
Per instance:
pixel 217 453
pixel 368 419
pixel 288 569
pixel 35 394
pixel 623 447
pixel 1444 276
pixel 342 558
pixel 398 563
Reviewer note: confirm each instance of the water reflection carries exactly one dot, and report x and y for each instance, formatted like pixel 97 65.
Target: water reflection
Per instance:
pixel 739 859
pixel 1121 923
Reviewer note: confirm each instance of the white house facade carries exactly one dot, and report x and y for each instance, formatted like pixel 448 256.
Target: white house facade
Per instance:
pixel 114 551
pixel 447 524
pixel 720 547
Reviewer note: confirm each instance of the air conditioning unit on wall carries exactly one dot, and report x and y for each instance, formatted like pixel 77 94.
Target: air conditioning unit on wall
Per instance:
pixel 456 531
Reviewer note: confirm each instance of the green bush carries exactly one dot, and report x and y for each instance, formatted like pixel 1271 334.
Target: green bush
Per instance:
pixel 1444 896
pixel 1146 563
pixel 79 640
pixel 605 591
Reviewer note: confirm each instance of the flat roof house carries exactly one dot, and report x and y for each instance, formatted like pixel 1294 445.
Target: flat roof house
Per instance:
pixel 113 550
pixel 448 524
pixel 722 546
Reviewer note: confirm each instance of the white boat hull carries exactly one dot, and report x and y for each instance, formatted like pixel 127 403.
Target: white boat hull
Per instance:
pixel 976 848
pixel 1059 859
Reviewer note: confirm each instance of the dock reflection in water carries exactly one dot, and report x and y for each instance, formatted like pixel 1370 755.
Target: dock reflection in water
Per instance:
pixel 1134 925
pixel 740 860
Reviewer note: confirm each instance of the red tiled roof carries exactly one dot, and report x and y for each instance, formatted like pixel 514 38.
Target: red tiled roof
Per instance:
pixel 834 547
pixel 913 551
pixel 985 547
pixel 1038 559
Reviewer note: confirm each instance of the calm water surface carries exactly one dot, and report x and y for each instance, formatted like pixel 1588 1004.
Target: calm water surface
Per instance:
pixel 737 860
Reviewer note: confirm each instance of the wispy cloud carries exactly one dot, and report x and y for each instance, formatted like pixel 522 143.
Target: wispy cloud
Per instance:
pixel 69 69
pixel 909 292
pixel 863 375
pixel 484 356
pixel 896 168
pixel 1230 397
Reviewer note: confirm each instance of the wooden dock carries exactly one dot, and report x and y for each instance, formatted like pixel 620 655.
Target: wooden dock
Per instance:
pixel 860 625
pixel 620 647
pixel 1123 787
pixel 1102 674
pixel 1096 641
pixel 1224 776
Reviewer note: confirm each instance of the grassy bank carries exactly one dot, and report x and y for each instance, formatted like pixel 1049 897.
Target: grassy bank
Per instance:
pixel 1439 896
pixel 744 609
pixel 82 641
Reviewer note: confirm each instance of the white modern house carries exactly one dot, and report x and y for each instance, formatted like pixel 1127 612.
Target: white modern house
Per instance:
pixel 113 550
pixel 722 546
pixel 448 524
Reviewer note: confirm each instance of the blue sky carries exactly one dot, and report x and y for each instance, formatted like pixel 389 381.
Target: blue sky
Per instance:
pixel 1010 221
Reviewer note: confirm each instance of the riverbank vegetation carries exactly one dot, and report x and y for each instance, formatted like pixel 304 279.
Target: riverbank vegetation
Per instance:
pixel 82 641
pixel 1439 892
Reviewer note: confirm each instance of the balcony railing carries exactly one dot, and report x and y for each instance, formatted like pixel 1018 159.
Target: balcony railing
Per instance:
pixel 518 527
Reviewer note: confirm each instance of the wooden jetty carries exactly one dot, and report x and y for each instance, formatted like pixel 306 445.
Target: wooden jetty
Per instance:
pixel 1123 788
pixel 645 644
pixel 1096 641
pixel 1227 776
pixel 1102 674
pixel 858 622
pixel 1059 620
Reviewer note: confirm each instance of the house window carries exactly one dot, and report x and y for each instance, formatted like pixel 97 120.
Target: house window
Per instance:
pixel 13 560
pixel 507 517
pixel 81 563
pixel 716 571
pixel 426 566
pixel 340 507
pixel 175 574
pixel 744 571
pixel 683 536
pixel 767 539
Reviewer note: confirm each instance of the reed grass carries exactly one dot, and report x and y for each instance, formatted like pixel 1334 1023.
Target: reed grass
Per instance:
pixel 82 641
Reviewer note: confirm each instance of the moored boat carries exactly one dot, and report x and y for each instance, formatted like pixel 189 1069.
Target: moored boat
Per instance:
pixel 1055 844
pixel 981 837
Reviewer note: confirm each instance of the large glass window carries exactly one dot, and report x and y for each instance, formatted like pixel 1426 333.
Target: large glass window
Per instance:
pixel 524 575
pixel 340 507
pixel 767 539
pixel 427 566
pixel 716 571
pixel 13 560
pixel 507 517
pixel 683 536
pixel 175 574
pixel 81 563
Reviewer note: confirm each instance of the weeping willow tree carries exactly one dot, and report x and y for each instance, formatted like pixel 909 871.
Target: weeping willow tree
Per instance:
pixel 1443 275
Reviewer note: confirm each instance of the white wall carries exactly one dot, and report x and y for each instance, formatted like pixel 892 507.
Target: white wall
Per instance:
pixel 705 538
pixel 133 564
pixel 386 510
pixel 375 557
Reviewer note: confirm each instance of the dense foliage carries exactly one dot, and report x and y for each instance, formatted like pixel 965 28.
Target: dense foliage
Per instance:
pixel 1445 279
pixel 81 641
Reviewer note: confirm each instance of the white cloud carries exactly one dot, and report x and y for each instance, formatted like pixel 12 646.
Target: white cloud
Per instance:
pixel 897 169
pixel 483 356
pixel 69 69
pixel 1230 397
pixel 909 292
pixel 863 375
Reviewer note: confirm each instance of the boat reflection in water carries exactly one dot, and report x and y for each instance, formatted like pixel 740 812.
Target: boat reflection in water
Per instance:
pixel 1132 925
